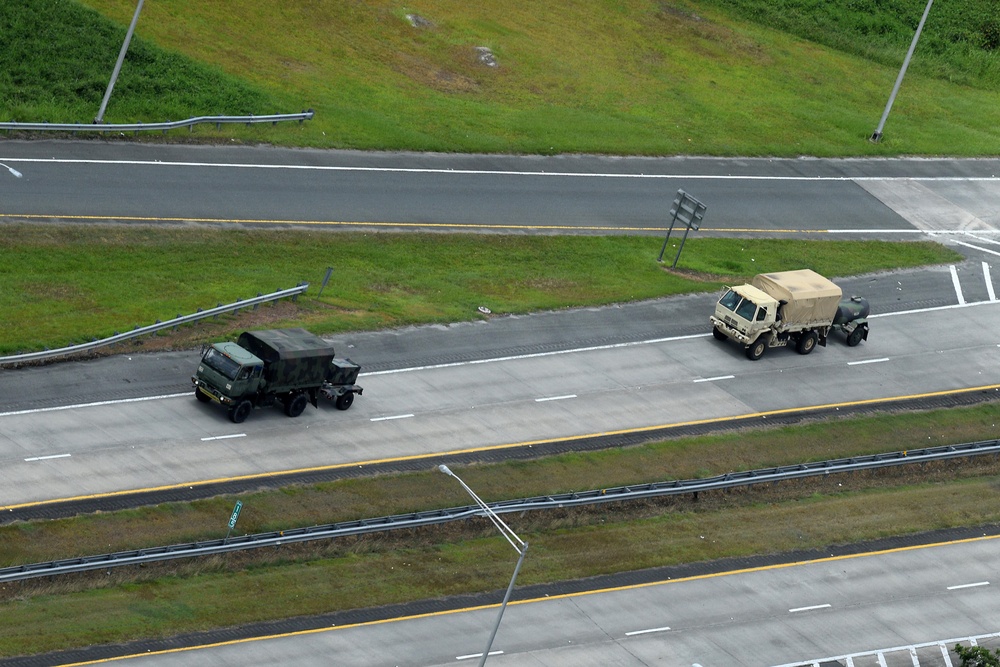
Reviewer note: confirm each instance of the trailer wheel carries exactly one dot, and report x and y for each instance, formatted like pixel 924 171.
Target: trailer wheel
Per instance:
pixel 296 405
pixel 807 343
pixel 239 412
pixel 855 336
pixel 201 396
pixel 344 401
pixel 718 334
pixel 756 349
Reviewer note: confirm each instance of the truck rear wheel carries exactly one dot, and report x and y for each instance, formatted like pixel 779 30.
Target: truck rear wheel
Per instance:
pixel 855 336
pixel 296 405
pixel 718 334
pixel 756 349
pixel 201 396
pixel 344 401
pixel 239 412
pixel 807 342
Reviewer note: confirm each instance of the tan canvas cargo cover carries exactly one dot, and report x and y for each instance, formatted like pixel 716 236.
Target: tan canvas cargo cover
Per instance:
pixel 809 297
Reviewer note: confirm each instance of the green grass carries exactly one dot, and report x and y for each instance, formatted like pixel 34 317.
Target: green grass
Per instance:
pixel 636 77
pixel 69 282
pixel 176 597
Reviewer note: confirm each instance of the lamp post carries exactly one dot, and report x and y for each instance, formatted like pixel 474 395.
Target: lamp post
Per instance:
pixel 520 546
pixel 877 134
pixel 11 170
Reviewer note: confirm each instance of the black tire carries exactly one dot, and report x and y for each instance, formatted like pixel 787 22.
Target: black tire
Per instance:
pixel 855 337
pixel 807 342
pixel 201 396
pixel 239 412
pixel 296 405
pixel 756 349
pixel 718 334
pixel 344 401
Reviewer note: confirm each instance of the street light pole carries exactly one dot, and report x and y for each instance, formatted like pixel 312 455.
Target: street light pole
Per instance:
pixel 11 170
pixel 118 64
pixel 877 134
pixel 519 545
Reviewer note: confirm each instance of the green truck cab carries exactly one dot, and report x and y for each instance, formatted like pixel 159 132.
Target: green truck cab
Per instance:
pixel 287 367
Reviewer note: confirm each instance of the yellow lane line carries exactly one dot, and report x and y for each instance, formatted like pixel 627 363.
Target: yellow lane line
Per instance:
pixel 494 448
pixel 416 225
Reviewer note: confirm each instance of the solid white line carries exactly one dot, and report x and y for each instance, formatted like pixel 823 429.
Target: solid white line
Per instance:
pixel 989 282
pixel 536 355
pixel 554 398
pixel 867 361
pixel 383 419
pixel 718 377
pixel 643 632
pixel 975 247
pixel 958 285
pixel 46 458
pixel 945 655
pixel 91 405
pixel 815 606
pixel 978 583
pixel 225 437
pixel 488 172
pixel 476 655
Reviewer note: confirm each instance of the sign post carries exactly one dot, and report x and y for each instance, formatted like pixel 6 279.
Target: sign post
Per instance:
pixel 688 210
pixel 326 279
pixel 235 517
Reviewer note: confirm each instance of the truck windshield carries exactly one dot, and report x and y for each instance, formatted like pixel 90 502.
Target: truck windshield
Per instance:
pixel 742 307
pixel 221 363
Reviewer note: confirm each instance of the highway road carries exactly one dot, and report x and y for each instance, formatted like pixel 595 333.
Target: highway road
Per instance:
pixel 131 422
pixel 98 180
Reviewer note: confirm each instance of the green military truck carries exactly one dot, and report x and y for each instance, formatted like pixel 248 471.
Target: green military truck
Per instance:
pixel 287 367
pixel 797 308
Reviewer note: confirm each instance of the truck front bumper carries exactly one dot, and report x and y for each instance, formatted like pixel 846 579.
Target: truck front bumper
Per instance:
pixel 734 334
pixel 209 391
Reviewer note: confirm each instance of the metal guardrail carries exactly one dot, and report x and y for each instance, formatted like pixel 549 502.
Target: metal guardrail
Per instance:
pixel 153 328
pixel 164 126
pixel 433 517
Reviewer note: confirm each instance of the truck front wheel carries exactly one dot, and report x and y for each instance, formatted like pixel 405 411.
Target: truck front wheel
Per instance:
pixel 718 334
pixel 201 396
pixel 807 343
pixel 756 349
pixel 239 412
pixel 296 405
pixel 344 401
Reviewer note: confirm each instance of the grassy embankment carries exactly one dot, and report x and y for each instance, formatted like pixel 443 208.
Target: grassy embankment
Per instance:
pixel 716 77
pixel 77 283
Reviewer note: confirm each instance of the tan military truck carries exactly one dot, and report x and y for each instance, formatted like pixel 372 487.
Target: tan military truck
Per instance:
pixel 797 308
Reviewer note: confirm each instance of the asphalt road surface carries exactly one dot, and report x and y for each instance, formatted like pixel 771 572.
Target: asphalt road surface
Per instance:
pixel 96 180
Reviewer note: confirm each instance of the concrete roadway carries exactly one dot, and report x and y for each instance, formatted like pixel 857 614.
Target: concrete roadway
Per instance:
pixel 770 616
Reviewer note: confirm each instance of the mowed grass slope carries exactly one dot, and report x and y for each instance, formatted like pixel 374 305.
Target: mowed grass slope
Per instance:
pixel 632 77
pixel 68 285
